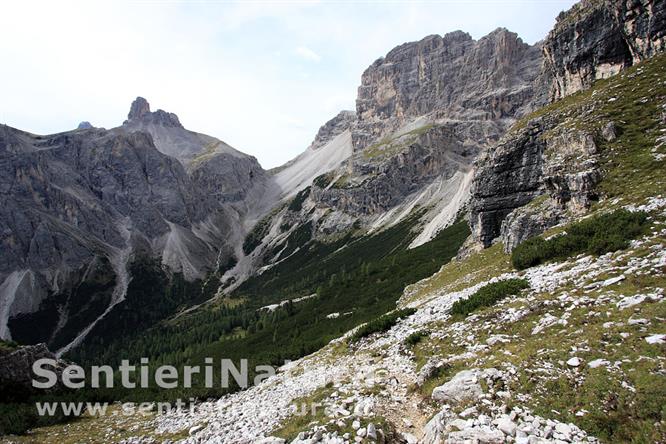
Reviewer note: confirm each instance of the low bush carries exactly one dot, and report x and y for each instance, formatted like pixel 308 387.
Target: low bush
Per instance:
pixel 416 337
pixel 296 203
pixel 488 295
pixel 381 324
pixel 597 235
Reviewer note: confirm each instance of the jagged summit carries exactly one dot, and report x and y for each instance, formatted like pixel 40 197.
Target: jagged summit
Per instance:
pixel 140 107
pixel 85 125
pixel 140 112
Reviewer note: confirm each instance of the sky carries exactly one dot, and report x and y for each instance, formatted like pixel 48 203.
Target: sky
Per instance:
pixel 261 75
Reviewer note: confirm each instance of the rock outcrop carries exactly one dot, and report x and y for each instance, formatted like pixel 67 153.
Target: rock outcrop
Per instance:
pixel 453 76
pixel 596 39
pixel 539 159
pixel 333 128
pixel 16 365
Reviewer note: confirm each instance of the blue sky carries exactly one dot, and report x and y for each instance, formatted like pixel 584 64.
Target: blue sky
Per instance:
pixel 260 75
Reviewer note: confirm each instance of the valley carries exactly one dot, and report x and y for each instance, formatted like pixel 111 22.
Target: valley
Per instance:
pixel 476 253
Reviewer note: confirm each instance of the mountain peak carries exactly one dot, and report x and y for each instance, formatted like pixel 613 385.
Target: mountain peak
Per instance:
pixel 140 107
pixel 140 112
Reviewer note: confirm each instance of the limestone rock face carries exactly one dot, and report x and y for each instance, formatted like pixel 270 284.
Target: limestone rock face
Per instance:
pixel 594 39
pixel 561 167
pixel 424 112
pixel 508 176
pixel 454 75
pixel 333 128
pixel 597 38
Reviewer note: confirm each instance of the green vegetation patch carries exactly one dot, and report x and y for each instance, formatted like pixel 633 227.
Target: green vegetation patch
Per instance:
pixel 324 180
pixel 254 237
pixel 597 235
pixel 489 295
pixel 7 346
pixel 296 203
pixel 381 324
pixel 416 337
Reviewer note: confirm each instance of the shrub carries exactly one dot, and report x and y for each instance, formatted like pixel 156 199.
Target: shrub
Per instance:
pixel 489 295
pixel 323 180
pixel 381 324
pixel 416 337
pixel 297 202
pixel 256 235
pixel 597 235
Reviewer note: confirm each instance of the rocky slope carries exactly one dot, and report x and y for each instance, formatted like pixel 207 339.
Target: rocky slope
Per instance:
pixel 588 328
pixel 78 207
pixel 548 155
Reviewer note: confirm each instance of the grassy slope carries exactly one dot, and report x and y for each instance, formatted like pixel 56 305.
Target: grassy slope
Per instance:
pixel 624 404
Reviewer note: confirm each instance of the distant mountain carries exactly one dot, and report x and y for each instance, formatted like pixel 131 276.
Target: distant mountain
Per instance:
pixel 79 207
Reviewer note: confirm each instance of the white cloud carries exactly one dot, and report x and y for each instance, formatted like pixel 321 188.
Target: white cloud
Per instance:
pixel 307 54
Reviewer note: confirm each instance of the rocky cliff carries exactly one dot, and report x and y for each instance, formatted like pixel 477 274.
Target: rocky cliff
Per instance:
pixel 546 155
pixel 452 77
pixel 78 207
pixel 16 366
pixel 596 39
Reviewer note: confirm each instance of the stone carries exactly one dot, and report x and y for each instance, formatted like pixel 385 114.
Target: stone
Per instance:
pixel 507 426
pixel 656 339
pixel 371 431
pixel 483 435
pixel 409 438
pixel 573 362
pixel 564 429
pixel 194 430
pixel 609 132
pixel 464 386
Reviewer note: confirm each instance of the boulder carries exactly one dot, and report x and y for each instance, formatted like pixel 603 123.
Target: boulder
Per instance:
pixel 464 386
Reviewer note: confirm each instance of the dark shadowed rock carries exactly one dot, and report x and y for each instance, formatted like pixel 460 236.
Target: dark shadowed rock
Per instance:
pixel 597 38
pixel 16 366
